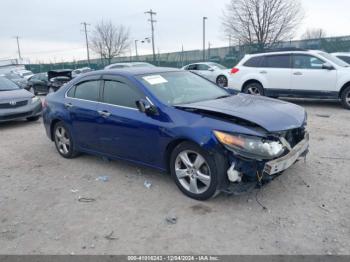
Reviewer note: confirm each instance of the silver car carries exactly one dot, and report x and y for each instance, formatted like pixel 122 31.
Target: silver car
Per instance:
pixel 17 103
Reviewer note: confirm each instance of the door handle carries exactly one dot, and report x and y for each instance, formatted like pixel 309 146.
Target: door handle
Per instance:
pixel 263 72
pixel 104 113
pixel 68 105
pixel 298 73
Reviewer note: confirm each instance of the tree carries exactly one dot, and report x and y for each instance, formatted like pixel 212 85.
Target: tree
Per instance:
pixel 109 40
pixel 262 22
pixel 314 33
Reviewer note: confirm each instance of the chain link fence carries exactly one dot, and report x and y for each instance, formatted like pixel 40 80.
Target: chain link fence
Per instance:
pixel 227 56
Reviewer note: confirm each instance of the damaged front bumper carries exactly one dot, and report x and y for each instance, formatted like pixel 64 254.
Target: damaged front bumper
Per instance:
pixel 245 174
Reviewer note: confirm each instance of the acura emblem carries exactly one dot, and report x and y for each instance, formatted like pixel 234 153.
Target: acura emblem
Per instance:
pixel 13 103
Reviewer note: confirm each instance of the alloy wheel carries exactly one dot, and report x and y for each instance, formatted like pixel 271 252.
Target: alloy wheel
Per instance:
pixel 62 140
pixel 252 90
pixel 222 81
pixel 192 171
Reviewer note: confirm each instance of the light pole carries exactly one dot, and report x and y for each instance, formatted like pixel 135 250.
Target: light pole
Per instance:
pixel 137 55
pixel 204 18
pixel 18 49
pixel 152 21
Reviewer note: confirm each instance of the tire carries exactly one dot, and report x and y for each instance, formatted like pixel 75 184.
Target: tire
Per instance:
pixel 33 118
pixel 198 182
pixel 65 143
pixel 254 88
pixel 222 81
pixel 345 98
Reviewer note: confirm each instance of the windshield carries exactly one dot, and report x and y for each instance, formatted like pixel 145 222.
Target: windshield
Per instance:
pixel 13 77
pixel 334 59
pixel 174 88
pixel 217 65
pixel 7 85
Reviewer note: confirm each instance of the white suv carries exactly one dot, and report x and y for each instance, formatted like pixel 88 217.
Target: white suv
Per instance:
pixel 301 73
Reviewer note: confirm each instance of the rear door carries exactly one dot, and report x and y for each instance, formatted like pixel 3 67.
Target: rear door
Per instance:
pixel 81 102
pixel 310 78
pixel 124 131
pixel 276 69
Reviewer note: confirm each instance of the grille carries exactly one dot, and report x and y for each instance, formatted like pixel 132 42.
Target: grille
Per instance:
pixel 18 104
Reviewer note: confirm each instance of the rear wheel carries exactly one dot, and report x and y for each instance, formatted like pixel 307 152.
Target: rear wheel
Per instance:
pixel 64 141
pixel 254 88
pixel 194 171
pixel 222 81
pixel 345 98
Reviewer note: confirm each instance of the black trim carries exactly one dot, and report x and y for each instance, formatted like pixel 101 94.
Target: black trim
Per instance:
pixel 302 93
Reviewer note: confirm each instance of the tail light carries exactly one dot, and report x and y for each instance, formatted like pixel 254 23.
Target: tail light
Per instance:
pixel 234 70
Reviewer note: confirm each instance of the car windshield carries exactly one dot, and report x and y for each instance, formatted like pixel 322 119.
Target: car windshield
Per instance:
pixel 13 77
pixel 217 65
pixel 333 59
pixel 175 88
pixel 7 85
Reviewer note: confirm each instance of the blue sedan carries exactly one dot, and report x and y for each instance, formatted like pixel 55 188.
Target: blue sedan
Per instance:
pixel 208 139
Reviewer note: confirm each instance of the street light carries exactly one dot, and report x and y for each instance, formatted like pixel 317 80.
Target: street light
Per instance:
pixel 137 55
pixel 204 18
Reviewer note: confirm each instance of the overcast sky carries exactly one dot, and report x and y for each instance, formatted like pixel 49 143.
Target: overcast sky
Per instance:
pixel 50 30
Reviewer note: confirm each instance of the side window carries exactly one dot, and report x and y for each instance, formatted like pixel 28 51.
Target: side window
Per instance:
pixel 345 58
pixel 253 62
pixel 277 61
pixel 120 94
pixel 202 67
pixel 307 62
pixel 87 90
pixel 192 67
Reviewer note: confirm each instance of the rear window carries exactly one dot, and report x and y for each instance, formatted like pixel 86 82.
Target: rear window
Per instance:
pixel 253 62
pixel 277 61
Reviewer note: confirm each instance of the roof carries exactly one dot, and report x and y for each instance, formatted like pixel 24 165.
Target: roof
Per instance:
pixel 134 71
pixel 301 51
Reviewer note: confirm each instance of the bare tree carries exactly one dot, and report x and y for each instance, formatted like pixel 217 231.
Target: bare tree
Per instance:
pixel 262 22
pixel 109 40
pixel 314 33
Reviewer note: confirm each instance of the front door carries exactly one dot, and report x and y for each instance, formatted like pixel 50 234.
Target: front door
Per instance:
pixel 309 77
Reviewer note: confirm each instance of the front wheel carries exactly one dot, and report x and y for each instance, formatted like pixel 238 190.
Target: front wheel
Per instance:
pixel 254 89
pixel 194 171
pixel 64 141
pixel 345 98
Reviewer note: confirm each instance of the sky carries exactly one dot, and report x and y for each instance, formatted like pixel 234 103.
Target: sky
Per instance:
pixel 51 30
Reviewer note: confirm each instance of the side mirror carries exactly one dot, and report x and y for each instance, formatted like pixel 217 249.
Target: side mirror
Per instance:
pixel 327 66
pixel 146 107
pixel 211 69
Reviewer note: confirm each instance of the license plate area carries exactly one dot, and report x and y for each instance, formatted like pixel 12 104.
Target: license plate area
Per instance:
pixel 278 165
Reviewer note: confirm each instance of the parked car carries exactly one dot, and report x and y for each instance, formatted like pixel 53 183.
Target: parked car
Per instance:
pixel 58 78
pixel 126 65
pixel 176 121
pixel 17 103
pixel 212 71
pixel 343 56
pixel 17 79
pixel 38 83
pixel 79 71
pixel 302 73
pixel 24 73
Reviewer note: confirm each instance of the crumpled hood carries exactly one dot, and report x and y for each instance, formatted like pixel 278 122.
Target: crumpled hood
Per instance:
pixel 271 114
pixel 15 94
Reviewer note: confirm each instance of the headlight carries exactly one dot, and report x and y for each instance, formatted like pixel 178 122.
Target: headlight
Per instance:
pixel 35 99
pixel 250 147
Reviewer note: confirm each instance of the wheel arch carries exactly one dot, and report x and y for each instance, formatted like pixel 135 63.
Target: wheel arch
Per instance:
pixel 343 88
pixel 170 148
pixel 52 125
